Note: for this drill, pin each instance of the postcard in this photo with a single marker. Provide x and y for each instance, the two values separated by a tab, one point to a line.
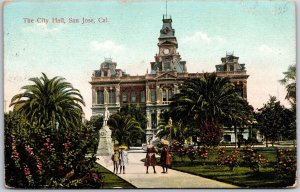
160	94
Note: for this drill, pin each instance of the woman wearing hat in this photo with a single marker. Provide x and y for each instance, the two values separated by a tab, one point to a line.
150	156
165	160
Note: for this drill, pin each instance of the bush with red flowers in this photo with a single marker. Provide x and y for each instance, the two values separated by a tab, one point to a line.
37	157
286	165
252	159
191	153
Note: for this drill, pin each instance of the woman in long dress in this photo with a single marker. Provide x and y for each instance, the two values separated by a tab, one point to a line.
165	158
123	159
150	156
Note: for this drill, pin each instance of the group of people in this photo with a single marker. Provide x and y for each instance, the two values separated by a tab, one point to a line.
165	159
120	159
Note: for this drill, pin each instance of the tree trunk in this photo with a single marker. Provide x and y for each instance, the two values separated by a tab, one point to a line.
266	142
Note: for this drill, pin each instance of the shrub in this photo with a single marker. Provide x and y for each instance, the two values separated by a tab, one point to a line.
231	160
253	160
202	153
286	166
191	153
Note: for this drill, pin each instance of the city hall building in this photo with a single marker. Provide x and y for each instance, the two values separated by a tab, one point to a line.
113	88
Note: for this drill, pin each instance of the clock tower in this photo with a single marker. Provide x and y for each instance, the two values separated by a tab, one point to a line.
167	59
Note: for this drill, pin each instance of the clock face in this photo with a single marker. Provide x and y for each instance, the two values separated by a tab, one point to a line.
166	51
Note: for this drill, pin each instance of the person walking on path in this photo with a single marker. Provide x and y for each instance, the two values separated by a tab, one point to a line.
123	158
150	156
165	160
116	158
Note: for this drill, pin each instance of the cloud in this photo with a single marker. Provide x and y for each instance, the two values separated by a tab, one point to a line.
265	49
202	38
107	46
42	28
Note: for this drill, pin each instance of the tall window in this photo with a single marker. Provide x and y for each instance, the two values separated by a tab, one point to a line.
169	94
124	97
133	97
153	95
142	96
111	96
164	95
100	97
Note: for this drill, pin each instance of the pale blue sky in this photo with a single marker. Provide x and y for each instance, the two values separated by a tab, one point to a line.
261	33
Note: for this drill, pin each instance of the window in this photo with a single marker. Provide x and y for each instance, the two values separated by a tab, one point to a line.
142	96
166	66
133	97
124	97
164	95
231	68
111	96
100	97
153	95
169	94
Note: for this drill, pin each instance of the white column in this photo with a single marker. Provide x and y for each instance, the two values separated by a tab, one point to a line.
148	94
94	96
118	95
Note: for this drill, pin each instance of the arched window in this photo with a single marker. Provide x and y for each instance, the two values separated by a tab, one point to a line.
111	96
142	96
100	97
124	97
133	97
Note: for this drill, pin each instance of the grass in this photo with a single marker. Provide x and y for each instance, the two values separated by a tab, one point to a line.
240	176
111	180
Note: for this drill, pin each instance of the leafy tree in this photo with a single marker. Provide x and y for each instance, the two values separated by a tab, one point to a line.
124	127
176	131
271	120
208	101
36	154
289	81
139	116
50	102
95	123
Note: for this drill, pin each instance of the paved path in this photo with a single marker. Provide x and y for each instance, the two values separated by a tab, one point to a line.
136	175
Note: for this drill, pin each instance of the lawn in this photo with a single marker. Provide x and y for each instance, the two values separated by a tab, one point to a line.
111	180
240	176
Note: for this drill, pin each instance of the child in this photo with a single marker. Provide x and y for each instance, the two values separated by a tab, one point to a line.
115	158
123	158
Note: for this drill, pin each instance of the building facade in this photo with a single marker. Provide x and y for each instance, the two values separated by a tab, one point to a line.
113	88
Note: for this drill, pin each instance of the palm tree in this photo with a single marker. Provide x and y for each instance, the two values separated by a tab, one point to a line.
207	101
289	81
124	127
171	131
50	102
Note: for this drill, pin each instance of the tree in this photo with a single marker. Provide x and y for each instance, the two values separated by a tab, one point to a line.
50	102
124	127
289	81
271	120
208	101
37	155
95	123
176	131
139	116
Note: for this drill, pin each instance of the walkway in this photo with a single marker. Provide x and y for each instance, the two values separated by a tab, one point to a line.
135	174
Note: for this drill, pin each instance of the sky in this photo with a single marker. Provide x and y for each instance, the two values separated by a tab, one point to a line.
261	33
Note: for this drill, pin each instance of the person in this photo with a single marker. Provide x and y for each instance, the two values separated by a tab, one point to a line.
165	158
115	158
150	156
123	158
